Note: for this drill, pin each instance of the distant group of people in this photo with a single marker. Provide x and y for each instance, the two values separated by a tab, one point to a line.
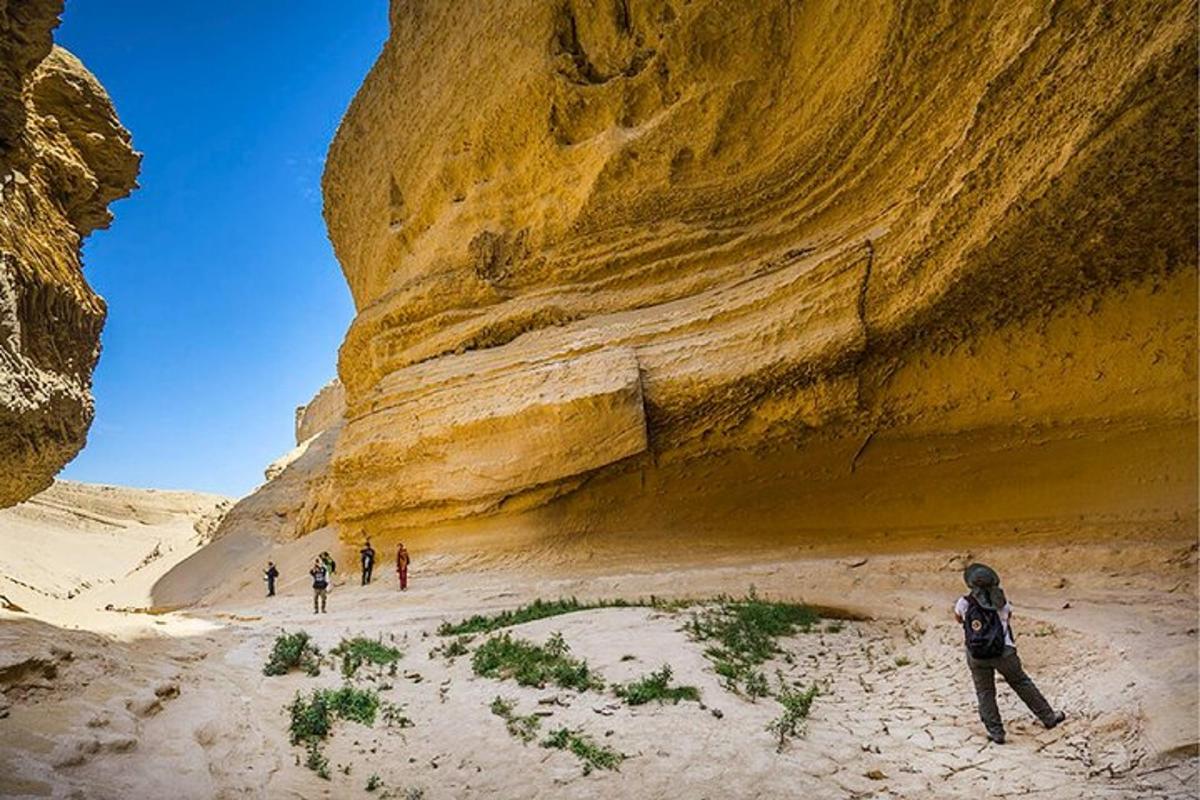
323	568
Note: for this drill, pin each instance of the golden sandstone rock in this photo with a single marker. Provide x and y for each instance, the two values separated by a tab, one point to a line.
952	246
63	158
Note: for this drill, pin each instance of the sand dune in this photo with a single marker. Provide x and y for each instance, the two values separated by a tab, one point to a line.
73	550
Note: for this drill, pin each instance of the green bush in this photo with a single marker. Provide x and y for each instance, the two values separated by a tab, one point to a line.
522	727
592	755
531	664
542	609
453	649
796	705
656	686
359	650
350	703
316	760
538	609
312	718
743	633
393	715
293	651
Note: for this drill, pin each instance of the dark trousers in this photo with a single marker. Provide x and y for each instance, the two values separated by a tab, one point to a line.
1008	664
366	570
270	588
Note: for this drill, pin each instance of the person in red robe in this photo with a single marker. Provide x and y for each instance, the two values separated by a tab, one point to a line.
402	560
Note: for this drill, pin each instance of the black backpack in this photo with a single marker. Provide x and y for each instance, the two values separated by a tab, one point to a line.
984	631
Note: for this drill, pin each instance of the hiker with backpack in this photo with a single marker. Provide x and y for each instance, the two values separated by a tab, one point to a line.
986	615
320	577
329	564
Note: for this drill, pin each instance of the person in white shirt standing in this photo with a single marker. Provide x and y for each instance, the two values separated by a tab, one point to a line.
985	614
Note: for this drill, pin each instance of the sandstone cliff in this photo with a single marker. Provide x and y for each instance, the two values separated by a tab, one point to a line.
64	157
741	255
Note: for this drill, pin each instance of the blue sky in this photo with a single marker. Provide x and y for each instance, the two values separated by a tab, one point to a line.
226	306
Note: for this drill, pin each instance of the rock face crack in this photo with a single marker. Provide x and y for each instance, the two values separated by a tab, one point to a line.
863	292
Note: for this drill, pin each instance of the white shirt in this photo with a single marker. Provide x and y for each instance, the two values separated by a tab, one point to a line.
960	608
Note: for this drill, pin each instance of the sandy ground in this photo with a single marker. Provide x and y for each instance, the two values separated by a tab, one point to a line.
1109	632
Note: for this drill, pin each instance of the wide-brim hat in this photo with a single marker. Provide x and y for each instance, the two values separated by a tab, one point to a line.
984	583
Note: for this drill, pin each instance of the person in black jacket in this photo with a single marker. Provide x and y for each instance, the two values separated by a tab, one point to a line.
367	554
320	582
269	575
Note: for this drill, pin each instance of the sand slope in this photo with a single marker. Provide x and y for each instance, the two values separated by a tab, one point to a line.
76	548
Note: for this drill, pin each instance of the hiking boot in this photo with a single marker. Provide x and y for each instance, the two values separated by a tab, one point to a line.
996	738
1059	716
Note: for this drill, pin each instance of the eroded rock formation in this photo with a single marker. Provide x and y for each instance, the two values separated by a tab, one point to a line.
676	251
64	157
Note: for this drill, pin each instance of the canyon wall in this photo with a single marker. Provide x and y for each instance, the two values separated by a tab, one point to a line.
64	157
714	266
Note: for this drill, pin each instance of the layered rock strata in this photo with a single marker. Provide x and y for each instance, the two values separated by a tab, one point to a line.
64	157
620	245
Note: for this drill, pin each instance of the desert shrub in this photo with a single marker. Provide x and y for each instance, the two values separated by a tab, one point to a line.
393	715
796	705
523	727
656	687
590	754
743	633
532	664
360	650
538	609
458	646
316	760
293	651
542	609
348	702
312	718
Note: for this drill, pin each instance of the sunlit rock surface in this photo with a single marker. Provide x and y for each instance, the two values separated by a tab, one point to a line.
64	157
712	266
